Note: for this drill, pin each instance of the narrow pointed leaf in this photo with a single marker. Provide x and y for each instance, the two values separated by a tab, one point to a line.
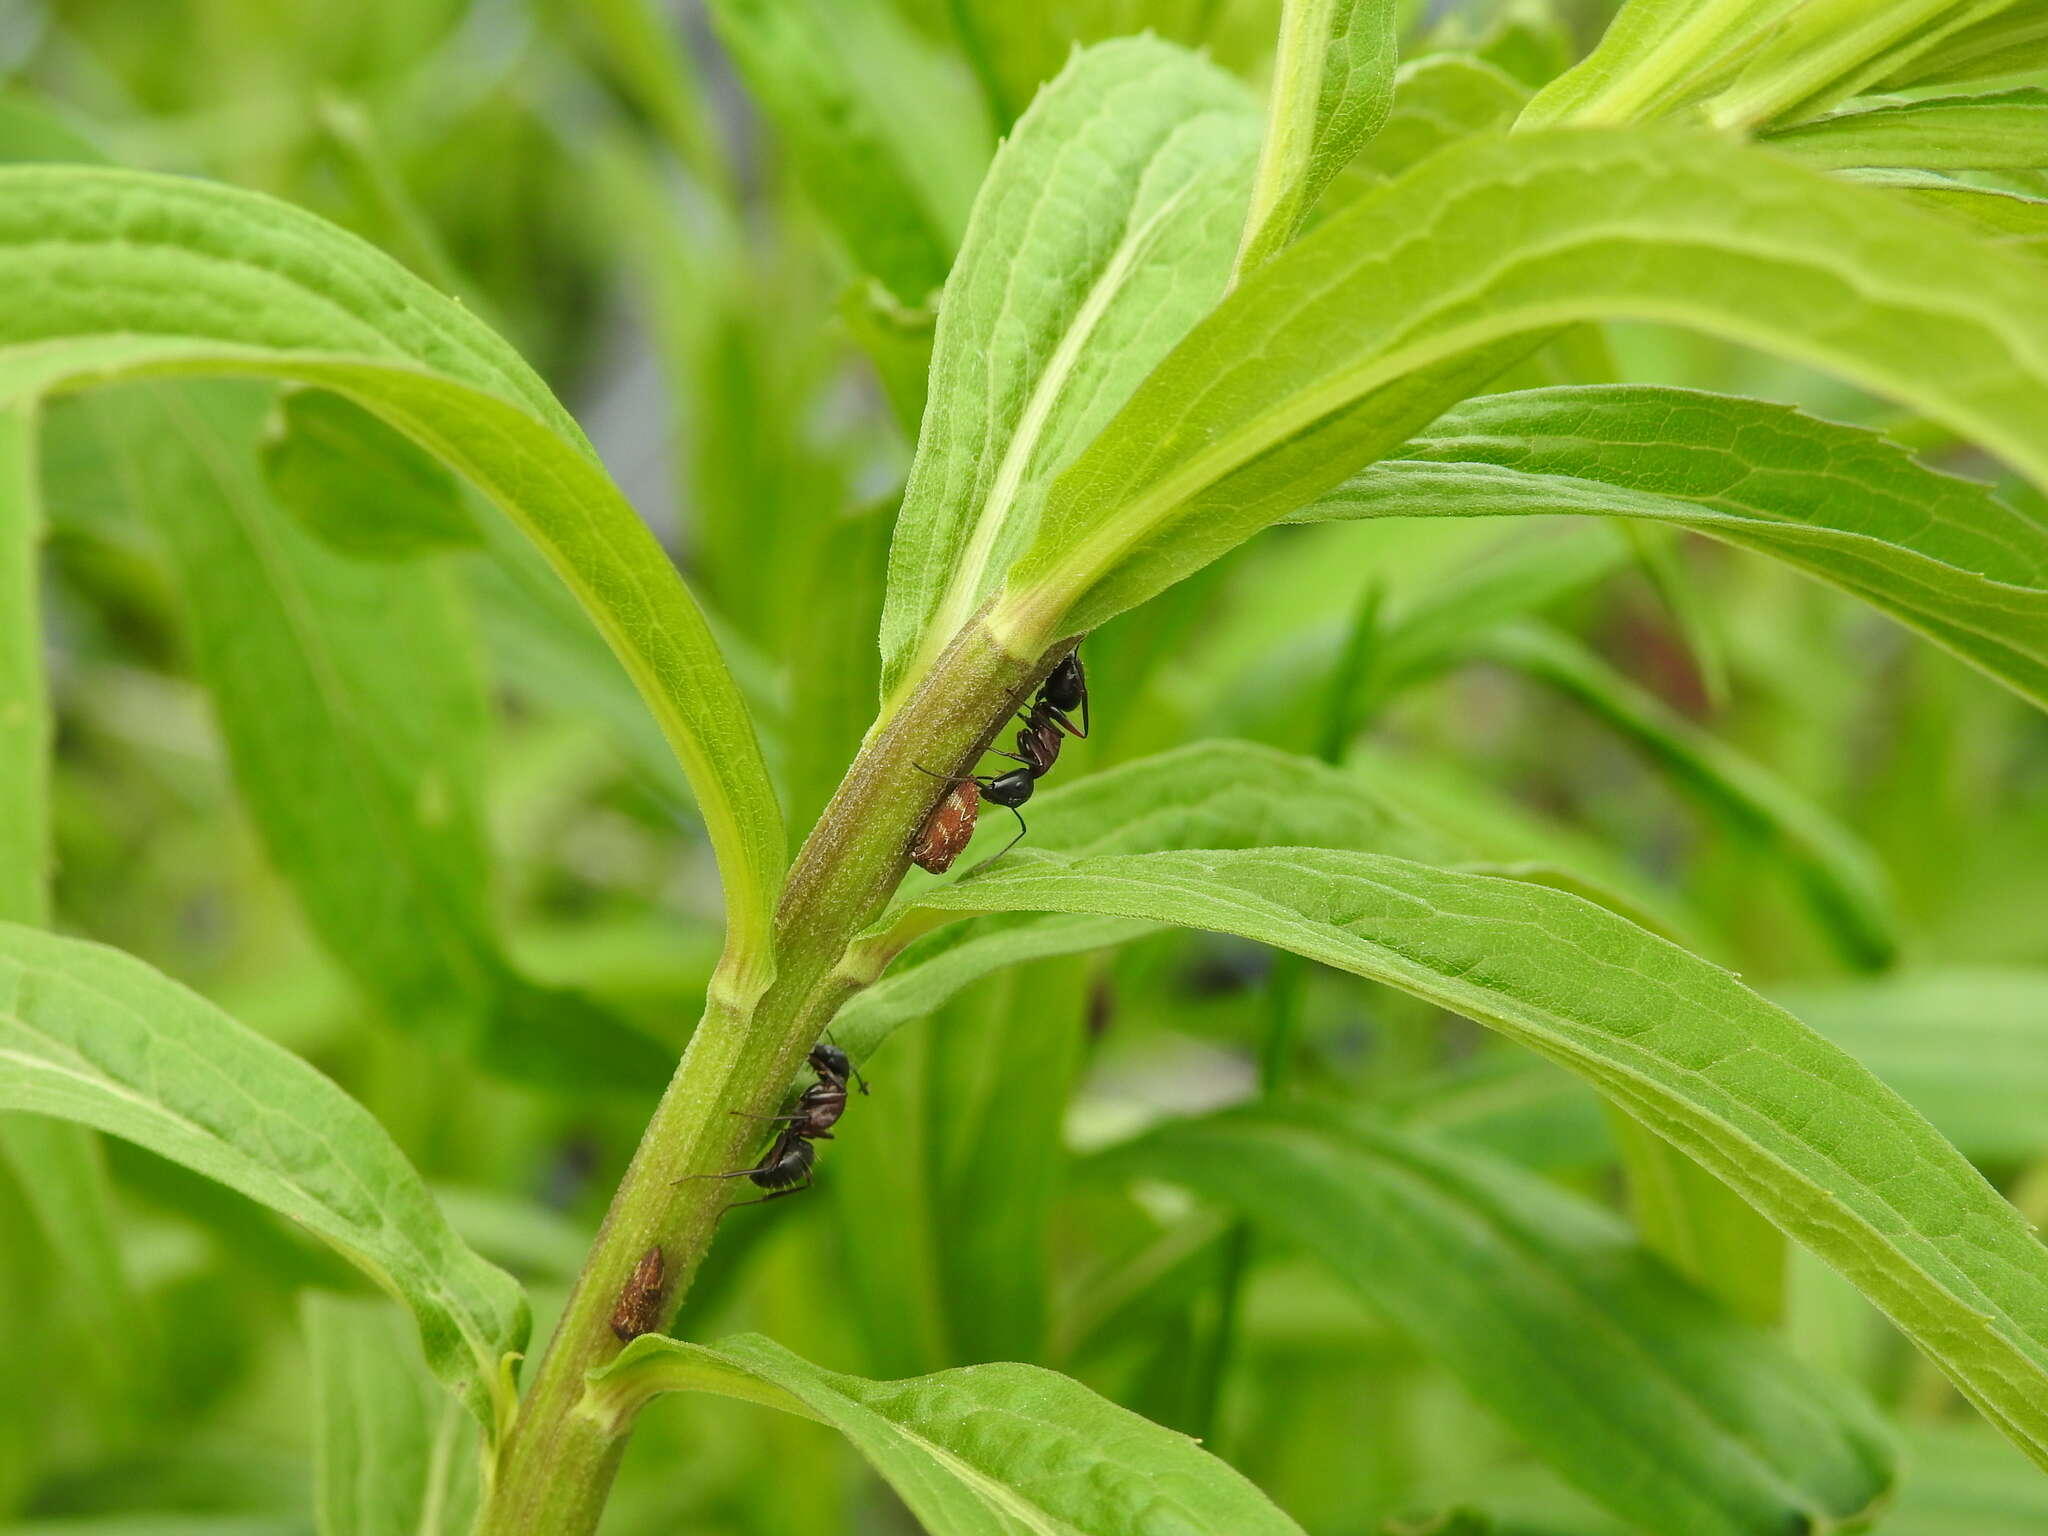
90	1035
1940	553
1104	231
61	1167
357	485
887	138
1454	800
1333	80
392	1456
1552	1315
1397	306
1828	51
1791	1123
2011	41
1847	887
987	1450
2011	219
1211	794
25	731
133	275
1512	580
1654	57
357	722
1439	98
2002	130
1968	1048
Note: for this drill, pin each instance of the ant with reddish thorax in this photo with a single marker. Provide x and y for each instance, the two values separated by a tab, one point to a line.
1048	721
786	1167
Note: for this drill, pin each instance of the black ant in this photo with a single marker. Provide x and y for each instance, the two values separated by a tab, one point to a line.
819	1107
787	1166
1047	723
1064	691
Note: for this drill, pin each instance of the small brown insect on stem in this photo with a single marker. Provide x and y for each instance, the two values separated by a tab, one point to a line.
948	829
639	1308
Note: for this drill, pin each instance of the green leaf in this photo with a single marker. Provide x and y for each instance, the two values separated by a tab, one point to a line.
888	140
1439	99
544	648
1655	57
1849	890
2003	130
1791	1123
31	132
61	1167
391	1455
935	966
1333	81
1967	1048
24	693
63	1172
650	52
1551	1314
1829	50
1017	49
2010	41
137	274
1221	794
1512	580
1700	1227
358	486
988	1450
1104	231
358	726
1448	798
2010	219
1210	794
164	1525
832	685
1395	307
91	1035
1962	1482
1940	553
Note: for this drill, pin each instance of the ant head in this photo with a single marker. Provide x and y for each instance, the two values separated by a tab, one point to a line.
827	1060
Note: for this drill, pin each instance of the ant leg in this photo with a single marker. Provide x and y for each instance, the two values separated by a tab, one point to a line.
1065	721
1021	830
794	1189
736	1173
782	1119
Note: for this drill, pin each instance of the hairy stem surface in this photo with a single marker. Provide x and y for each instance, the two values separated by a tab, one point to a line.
557	1463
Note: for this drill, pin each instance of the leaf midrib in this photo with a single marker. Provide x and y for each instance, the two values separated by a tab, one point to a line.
1147	512
99	1081
1591	1315
1538	1030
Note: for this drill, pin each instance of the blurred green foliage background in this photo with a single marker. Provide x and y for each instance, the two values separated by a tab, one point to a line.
600	182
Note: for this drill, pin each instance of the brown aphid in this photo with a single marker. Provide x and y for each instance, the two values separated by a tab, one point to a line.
639	1308
947	830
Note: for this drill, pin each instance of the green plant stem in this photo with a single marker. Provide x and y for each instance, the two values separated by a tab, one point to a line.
557	1463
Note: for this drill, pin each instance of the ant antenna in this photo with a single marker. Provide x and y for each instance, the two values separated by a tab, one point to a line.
859	1081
